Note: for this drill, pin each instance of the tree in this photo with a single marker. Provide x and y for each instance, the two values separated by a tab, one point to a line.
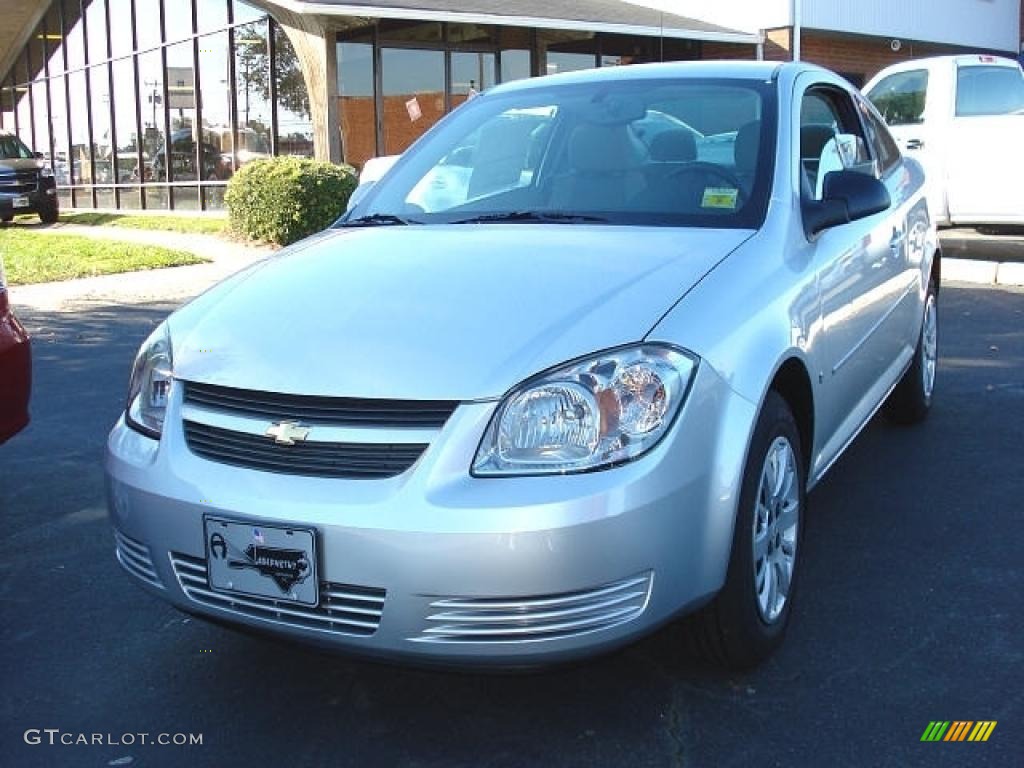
252	67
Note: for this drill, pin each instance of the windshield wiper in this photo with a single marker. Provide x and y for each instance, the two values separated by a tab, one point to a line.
377	220
544	217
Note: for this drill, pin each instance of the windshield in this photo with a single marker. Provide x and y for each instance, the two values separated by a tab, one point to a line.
11	148
655	152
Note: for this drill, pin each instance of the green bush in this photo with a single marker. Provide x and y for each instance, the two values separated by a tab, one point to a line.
284	199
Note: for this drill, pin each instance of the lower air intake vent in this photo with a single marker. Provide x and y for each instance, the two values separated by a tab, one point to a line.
134	557
534	619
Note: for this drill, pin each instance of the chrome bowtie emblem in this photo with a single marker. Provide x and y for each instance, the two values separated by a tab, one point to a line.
287	432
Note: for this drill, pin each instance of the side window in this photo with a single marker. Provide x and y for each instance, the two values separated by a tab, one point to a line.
881	141
989	91
831	139
900	97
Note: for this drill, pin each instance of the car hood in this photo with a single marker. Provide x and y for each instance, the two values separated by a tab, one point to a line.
20	164
438	312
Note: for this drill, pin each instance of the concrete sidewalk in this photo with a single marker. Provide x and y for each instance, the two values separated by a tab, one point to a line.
225	257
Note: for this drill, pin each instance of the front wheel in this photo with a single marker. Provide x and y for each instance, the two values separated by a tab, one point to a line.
747	620
49	213
911	400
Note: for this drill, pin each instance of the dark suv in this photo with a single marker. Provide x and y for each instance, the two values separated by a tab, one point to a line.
27	184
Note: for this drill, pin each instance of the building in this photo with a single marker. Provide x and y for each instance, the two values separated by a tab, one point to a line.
857	39
155	103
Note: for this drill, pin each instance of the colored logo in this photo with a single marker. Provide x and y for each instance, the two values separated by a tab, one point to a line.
958	730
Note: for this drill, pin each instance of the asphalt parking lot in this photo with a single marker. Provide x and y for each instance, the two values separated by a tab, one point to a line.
910	611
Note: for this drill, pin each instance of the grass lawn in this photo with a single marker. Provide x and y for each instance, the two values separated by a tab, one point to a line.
36	257
190	224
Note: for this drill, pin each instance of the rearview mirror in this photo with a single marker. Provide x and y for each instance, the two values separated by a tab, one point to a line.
846	196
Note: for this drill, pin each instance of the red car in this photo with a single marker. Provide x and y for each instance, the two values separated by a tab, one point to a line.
15	368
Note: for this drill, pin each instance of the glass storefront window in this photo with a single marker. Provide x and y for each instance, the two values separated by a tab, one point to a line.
252	93
294	127
211	15
37	52
568	62
81	171
54	38
74	39
355	90
151	101
125	126
245	12
177	20
59	127
216	145
103	149
179	160
515	65
41	119
471	74
96	29
120	26
413	95
147	24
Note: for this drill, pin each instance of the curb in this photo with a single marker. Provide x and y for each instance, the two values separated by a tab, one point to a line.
982	272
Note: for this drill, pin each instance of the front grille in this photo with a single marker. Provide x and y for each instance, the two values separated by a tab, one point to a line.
343	609
533	619
333	411
134	557
336	460
18	182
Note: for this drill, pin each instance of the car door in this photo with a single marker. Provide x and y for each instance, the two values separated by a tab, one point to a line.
986	158
915	105
860	267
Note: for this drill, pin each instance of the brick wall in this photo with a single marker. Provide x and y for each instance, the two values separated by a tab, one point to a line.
857	56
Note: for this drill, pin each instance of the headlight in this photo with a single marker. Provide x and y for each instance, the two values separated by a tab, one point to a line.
150	384
590	414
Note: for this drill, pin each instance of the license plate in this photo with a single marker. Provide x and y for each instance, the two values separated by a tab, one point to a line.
261	561
20	202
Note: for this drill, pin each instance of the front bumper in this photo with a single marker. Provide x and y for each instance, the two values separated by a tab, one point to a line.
38	196
552	567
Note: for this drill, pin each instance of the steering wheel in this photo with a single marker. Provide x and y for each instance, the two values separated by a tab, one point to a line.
710	169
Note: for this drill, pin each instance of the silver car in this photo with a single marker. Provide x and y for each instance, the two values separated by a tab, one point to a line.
584	399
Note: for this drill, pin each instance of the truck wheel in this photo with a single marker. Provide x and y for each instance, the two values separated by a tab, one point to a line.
49	212
910	402
747	620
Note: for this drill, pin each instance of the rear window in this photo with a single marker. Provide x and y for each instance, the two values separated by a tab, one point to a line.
989	91
900	97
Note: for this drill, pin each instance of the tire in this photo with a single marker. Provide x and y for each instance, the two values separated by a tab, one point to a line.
911	400
48	213
747	620
6	218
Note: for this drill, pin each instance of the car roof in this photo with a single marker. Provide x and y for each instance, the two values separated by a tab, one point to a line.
961	60
748	70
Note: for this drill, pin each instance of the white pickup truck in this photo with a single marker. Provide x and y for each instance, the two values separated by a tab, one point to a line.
962	117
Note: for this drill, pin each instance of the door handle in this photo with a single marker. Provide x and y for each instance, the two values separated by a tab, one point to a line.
915	144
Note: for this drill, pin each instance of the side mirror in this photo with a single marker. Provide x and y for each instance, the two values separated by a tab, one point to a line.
846	196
